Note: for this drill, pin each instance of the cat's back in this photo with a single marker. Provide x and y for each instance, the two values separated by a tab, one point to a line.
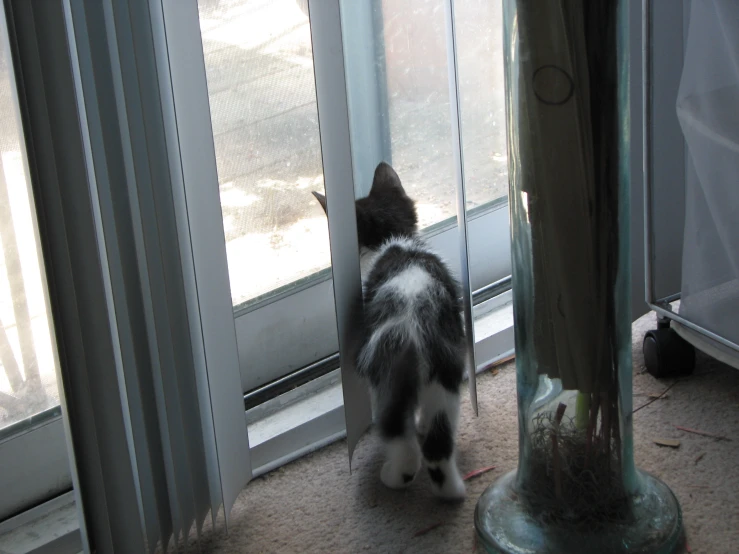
405	273
411	308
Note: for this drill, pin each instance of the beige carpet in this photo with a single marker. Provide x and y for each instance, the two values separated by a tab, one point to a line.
315	505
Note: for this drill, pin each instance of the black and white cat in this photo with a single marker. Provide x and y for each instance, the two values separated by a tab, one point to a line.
412	348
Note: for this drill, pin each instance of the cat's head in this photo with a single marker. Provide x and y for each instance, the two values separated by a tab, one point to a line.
386	212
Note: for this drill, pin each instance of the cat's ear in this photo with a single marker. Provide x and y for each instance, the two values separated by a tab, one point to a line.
322	200
385	180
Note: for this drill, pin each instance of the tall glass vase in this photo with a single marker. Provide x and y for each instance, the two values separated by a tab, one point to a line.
576	488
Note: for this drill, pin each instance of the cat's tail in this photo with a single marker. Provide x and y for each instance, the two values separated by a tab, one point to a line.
387	353
399	387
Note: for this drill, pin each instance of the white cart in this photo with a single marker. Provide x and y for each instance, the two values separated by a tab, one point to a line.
705	313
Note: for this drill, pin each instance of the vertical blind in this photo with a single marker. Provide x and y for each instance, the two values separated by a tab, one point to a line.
123	165
129	215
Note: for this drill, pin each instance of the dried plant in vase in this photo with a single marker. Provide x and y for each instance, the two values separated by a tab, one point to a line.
567	107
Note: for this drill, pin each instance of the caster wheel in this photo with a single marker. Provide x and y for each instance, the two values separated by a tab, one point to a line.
667	354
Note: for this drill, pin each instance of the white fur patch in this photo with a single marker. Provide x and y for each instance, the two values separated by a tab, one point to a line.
368	258
410	282
403	462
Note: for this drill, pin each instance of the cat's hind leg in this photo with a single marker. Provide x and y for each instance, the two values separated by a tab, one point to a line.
437	425
397	401
403	456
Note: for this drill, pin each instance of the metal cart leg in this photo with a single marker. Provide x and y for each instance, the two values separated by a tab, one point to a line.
666	354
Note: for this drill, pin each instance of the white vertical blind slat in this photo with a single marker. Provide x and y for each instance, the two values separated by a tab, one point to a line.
458	151
333	123
201	229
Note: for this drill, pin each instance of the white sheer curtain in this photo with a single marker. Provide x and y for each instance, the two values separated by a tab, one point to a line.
708	111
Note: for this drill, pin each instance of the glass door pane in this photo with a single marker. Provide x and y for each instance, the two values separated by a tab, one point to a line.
410	59
407	41
33	453
479	25
261	87
27	356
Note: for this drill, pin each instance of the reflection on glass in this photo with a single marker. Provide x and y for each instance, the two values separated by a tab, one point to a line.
481	85
261	87
262	98
414	35
27	356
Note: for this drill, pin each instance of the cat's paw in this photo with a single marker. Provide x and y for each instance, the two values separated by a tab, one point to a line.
446	482
402	465
452	489
395	477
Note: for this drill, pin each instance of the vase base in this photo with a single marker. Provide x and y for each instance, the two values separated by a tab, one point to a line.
504	525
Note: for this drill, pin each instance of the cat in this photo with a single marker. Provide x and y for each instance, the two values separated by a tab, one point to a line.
411	348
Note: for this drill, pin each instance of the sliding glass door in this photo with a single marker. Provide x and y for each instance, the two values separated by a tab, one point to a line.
259	65
259	68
